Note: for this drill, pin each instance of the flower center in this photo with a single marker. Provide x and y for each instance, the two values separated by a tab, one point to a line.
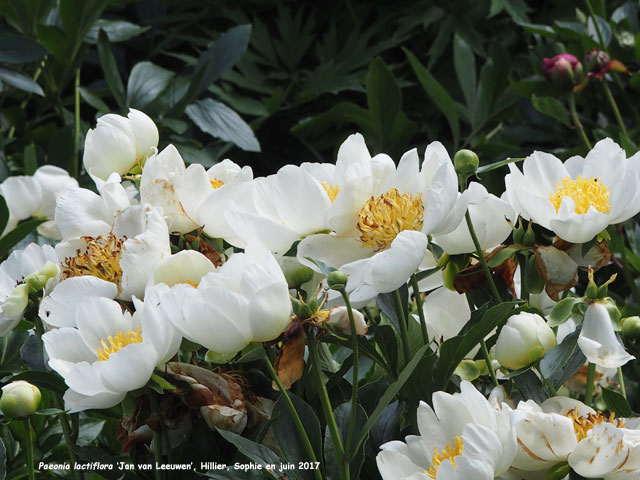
117	343
582	425
216	184
585	194
332	190
101	259
447	453
383	218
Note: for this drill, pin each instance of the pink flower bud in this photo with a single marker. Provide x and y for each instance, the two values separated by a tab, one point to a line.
563	71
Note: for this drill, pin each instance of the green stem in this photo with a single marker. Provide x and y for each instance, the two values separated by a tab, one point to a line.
621	381
294	416
157	437
576	120
68	437
419	306
27	426
355	369
614	107
524	293
76	133
487	357
592	13
483	260
404	335
588	392
325	402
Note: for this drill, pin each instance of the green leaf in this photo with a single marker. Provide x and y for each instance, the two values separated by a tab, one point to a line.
616	403
502	256
31	353
49	411
30	159
465	65
342	415
452	351
517	9
214	62
110	69
48	380
530	386
558	362
18	49
343	112
562	311
387	304
20	81
287	435
146	82
256	452
437	94
552	107
3	460
90	428
4	214
116	30
21	231
220	121
533	281
390	394
77	17
92	99
383	98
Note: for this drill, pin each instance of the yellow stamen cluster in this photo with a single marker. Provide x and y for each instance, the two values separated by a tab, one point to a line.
584	192
332	190
582	424
447	453
189	282
383	218
118	342
216	184
101	259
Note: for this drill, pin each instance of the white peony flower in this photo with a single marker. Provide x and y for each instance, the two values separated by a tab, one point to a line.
463	437
380	215
243	301
598	339
580	198
118	143
111	352
14	272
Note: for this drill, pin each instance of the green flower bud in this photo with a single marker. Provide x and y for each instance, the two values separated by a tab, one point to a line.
631	327
337	280
39	279
518	234
529	238
294	273
19	399
466	162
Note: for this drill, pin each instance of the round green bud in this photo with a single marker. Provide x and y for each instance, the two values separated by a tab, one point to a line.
337	280
466	162
19	399
631	327
297	276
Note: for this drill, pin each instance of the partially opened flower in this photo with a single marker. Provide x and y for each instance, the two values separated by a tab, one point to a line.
490	216
380	215
111	352
15	272
524	339
118	143
580	198
35	196
245	300
462	437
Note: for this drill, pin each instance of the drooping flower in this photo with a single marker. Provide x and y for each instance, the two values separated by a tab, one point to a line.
245	300
599	63
580	198
110	352
598	340
118	143
462	437
380	215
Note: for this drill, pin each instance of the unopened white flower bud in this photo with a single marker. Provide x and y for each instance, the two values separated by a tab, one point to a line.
19	399
339	318
523	340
